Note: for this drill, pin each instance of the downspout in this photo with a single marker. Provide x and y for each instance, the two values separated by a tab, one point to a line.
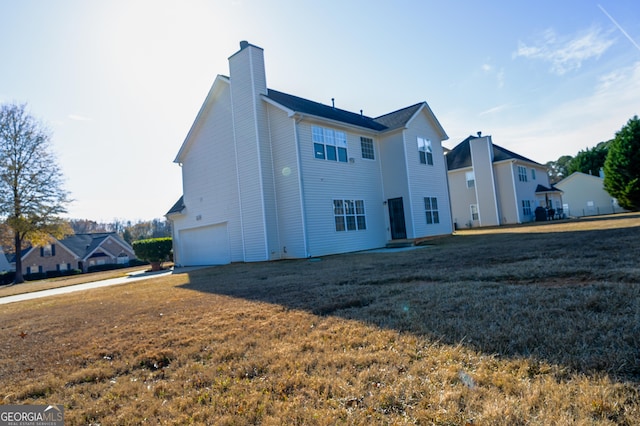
515	192
301	185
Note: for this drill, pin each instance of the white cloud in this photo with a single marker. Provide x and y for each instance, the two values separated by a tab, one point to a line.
486	67
494	110
577	124
77	117
566	53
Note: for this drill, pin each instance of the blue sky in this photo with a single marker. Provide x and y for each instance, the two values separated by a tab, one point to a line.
120	82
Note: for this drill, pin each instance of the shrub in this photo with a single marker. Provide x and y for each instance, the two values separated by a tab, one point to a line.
35	276
105	267
7	277
154	250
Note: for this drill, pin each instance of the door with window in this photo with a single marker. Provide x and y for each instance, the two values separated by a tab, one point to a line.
396	219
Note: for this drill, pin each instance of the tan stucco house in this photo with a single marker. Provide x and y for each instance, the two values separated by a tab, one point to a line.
490	185
584	195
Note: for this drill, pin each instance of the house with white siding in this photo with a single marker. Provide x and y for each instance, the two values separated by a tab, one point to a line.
490	185
267	175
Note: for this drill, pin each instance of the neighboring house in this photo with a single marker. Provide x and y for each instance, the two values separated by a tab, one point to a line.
4	263
584	195
267	175
491	186
79	251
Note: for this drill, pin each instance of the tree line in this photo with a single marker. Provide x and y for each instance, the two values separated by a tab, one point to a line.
129	231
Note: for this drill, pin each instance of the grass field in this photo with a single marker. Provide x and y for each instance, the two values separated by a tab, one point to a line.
534	324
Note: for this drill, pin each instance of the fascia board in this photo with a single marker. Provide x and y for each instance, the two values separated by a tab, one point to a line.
425	107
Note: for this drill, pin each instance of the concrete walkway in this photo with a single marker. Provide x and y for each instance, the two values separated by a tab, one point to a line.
86	286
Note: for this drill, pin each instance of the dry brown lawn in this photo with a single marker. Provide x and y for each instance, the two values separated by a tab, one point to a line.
527	325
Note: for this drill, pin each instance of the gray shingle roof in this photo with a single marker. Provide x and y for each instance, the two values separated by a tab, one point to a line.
460	156
178	206
306	106
399	118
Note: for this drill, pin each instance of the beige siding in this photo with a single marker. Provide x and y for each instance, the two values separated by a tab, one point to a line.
585	196
507	203
461	198
482	160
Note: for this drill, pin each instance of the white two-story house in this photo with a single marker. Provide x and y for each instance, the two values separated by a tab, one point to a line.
267	175
490	185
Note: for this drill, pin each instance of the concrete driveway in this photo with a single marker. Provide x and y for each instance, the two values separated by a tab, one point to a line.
85	286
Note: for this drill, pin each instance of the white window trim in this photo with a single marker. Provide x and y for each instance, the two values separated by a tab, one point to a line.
425	145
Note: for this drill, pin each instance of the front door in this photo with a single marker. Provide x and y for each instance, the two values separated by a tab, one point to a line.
396	219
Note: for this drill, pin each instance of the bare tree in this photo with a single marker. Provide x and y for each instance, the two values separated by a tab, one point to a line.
31	193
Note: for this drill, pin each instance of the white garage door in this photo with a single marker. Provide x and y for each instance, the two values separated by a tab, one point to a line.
208	245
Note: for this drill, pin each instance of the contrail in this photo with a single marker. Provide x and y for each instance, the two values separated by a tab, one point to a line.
620	28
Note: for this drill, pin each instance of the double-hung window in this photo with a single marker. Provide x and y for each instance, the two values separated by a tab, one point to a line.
526	207
533	174
329	144
425	151
431	209
471	179
474	211
522	174
366	144
349	215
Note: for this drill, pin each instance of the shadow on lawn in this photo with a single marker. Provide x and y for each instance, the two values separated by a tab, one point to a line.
567	298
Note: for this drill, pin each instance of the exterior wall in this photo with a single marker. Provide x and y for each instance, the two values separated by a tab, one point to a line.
324	180
287	181
4	263
482	161
114	248
461	198
36	262
209	177
393	163
527	190
425	180
507	203
247	83
584	195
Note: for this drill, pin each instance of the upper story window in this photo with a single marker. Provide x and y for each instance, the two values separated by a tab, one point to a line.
329	144
367	148
522	174
533	174
471	179
48	250
349	215
425	150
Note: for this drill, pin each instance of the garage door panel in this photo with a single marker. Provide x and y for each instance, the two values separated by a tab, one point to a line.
207	245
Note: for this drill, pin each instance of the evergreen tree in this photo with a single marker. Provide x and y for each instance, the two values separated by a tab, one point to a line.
622	167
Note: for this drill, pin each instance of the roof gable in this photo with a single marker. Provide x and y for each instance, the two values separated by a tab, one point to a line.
220	82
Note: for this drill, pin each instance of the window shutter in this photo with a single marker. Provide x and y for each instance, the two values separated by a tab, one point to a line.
53	249
41	251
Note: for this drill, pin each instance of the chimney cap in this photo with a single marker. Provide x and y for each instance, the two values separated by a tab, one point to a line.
243	44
